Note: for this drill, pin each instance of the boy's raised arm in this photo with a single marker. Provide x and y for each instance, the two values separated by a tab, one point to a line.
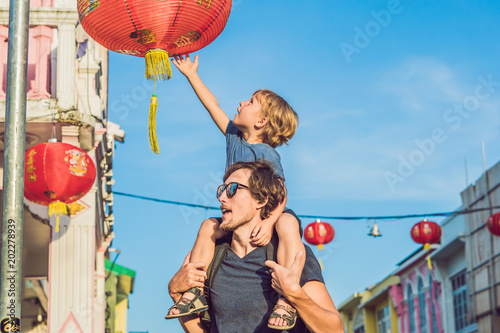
190	70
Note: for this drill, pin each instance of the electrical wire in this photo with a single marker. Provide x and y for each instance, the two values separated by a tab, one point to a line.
383	217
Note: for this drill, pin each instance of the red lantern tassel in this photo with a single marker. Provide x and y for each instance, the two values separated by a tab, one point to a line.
57	208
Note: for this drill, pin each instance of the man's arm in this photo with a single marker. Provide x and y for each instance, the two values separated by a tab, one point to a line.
312	301
188	276
190	70
316	308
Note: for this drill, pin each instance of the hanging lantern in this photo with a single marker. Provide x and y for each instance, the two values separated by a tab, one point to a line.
56	174
154	30
319	233
493	224
426	233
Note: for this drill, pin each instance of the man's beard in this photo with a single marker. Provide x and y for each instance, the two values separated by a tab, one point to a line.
233	225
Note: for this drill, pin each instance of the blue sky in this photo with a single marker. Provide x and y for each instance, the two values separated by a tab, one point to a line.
392	97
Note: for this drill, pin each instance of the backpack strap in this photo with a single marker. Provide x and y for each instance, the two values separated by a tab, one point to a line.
272	254
272	248
219	253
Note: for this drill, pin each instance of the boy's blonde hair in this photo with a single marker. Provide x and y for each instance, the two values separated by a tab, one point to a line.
282	121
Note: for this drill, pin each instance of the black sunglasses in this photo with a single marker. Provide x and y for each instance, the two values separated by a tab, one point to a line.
230	188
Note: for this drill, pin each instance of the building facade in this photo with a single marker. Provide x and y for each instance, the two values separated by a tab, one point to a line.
482	252
461	293
450	267
64	272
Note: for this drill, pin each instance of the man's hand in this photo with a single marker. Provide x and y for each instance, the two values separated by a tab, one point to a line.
189	275
185	66
286	281
262	233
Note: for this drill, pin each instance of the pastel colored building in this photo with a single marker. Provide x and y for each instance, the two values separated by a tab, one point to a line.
119	285
64	273
417	298
372	310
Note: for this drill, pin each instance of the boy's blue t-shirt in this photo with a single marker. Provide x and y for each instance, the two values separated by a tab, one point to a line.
238	150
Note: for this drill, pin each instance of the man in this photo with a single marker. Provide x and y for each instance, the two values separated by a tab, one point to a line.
240	295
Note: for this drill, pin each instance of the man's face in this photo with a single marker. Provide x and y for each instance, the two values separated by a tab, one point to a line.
241	208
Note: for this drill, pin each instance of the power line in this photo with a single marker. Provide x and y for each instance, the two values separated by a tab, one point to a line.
165	201
382	217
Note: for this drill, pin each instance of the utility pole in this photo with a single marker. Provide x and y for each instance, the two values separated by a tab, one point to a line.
13	177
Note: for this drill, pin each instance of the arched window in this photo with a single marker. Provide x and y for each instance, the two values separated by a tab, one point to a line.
411	310
434	299
422	306
359	322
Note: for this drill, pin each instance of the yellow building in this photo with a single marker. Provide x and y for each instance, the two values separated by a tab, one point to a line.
372	310
119	284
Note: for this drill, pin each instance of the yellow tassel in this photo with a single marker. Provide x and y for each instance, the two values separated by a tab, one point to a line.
57	208
157	65
152	125
429	262
320	247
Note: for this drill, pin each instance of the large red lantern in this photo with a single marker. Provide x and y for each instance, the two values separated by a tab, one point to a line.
493	224
426	233
56	174
154	30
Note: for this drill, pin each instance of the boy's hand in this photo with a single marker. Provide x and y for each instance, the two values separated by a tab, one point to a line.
262	233
186	66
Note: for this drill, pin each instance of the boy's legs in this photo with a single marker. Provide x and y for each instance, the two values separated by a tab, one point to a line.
203	249
290	243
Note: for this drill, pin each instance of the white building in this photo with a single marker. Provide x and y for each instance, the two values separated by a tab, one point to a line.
64	272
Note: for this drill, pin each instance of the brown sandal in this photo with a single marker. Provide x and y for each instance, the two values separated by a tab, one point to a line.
189	306
290	319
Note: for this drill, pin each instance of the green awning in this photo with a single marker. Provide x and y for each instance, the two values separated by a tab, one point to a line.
125	277
117	269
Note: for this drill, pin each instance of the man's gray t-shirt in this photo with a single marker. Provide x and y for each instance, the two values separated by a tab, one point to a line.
240	296
238	150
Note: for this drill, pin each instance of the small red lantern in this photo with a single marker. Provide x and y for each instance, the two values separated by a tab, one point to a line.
426	233
56	174
154	30
319	233
493	224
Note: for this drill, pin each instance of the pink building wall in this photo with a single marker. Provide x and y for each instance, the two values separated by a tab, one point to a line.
40	40
398	293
